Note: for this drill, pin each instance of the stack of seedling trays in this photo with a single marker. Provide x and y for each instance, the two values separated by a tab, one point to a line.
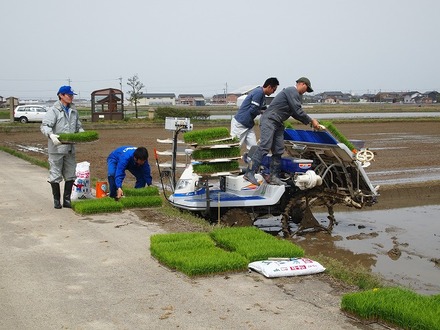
216	152
70	138
168	164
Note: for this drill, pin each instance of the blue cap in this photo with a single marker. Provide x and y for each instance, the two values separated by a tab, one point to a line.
66	90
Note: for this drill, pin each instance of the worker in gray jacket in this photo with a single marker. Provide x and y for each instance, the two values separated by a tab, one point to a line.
287	103
62	117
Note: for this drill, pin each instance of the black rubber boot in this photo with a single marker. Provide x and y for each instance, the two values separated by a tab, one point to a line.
275	169
56	194
67	192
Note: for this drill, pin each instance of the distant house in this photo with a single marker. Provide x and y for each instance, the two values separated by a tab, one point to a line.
367	98
431	97
157	99
191	99
389	97
226	99
335	97
411	97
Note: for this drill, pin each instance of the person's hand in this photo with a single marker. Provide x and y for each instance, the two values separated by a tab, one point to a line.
54	139
119	193
315	124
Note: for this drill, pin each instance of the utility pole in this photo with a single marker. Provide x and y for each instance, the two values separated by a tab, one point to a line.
226	93
120	82
68	81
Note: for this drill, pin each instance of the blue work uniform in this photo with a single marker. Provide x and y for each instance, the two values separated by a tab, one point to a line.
121	160
242	125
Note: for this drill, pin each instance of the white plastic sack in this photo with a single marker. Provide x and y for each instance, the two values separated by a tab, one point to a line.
292	267
81	188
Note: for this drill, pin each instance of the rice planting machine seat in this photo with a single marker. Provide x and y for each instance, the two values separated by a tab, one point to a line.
320	169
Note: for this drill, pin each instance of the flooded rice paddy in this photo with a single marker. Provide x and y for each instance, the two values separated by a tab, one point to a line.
402	245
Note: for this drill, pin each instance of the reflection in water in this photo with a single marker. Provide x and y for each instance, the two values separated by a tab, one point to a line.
323	243
401	245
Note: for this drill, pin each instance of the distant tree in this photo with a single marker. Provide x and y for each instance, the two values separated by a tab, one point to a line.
135	93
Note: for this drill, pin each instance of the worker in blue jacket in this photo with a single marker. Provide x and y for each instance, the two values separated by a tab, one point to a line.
242	125
127	158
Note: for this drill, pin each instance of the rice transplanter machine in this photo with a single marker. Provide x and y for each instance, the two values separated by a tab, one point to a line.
318	170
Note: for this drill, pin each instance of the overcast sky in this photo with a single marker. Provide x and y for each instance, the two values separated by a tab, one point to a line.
202	46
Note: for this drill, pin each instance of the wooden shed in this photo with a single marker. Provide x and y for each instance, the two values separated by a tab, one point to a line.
107	104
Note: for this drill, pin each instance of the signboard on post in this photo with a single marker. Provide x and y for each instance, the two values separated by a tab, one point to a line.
13	102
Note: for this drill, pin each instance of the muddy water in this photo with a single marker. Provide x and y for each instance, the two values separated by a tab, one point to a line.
402	245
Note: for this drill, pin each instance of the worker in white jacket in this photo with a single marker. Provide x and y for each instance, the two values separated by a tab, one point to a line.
62	117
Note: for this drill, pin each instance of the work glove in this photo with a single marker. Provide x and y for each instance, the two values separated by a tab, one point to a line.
54	139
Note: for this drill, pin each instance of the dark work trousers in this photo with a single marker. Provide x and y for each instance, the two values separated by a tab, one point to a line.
271	139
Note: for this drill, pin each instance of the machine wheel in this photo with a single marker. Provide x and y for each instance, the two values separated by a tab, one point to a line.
236	217
299	211
23	120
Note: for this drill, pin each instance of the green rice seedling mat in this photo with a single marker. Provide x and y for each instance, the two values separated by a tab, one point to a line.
206	154
205	136
87	136
146	191
94	206
147	197
209	253
211	168
194	254
396	306
338	135
215	151
255	244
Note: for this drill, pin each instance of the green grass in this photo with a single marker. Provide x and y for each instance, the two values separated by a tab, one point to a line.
396	306
87	136
32	160
353	274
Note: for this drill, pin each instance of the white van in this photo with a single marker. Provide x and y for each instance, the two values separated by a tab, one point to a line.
29	113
